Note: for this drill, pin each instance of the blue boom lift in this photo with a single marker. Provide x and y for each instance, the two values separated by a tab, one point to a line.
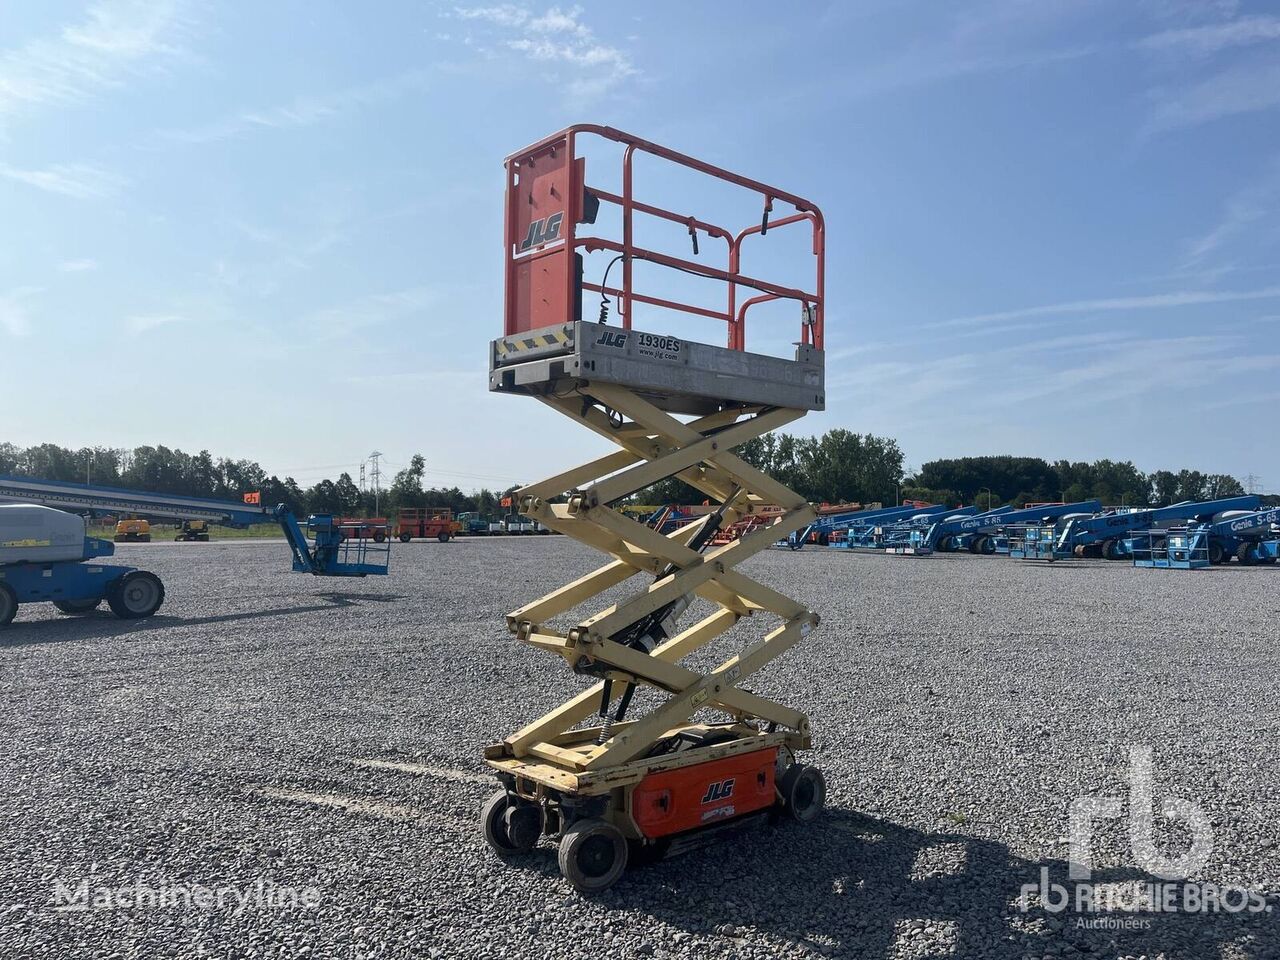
822	528
979	534
1252	537
45	556
1110	535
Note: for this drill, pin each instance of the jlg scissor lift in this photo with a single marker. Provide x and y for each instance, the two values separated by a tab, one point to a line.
711	754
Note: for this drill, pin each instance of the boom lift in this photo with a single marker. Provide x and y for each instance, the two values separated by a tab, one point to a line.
1110	535
978	534
673	776
46	556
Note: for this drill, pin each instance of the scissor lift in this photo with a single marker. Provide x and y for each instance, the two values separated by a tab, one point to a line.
711	754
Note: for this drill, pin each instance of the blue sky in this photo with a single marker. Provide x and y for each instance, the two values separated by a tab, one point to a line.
274	230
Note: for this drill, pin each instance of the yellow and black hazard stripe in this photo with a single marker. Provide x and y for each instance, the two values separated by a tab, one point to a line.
510	345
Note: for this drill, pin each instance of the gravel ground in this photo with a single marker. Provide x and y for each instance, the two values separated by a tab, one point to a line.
270	727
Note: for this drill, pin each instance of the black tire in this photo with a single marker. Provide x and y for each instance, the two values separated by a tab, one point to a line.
804	790
1111	550
496	822
592	855
1217	554
1244	553
945	544
379	536
8	604
136	595
442	537
406	537
76	607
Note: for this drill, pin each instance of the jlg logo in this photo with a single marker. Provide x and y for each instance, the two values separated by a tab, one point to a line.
611	339
719	790
542	231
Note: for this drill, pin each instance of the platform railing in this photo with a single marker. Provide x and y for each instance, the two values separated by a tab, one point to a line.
627	251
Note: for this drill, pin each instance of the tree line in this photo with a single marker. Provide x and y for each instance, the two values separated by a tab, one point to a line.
839	466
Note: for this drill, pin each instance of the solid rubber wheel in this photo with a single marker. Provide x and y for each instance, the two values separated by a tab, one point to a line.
1217	555
406	537
8	604
76	606
379	536
494	822
1244	553
593	854
136	595
804	790
442	537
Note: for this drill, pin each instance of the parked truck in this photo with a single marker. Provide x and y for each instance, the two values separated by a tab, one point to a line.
427	523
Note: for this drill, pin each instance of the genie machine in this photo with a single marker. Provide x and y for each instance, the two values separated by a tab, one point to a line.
46	556
612	783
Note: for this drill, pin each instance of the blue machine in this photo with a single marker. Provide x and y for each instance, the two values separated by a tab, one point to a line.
1110	535
1171	549
981	534
79	585
902	535
1252	538
822	528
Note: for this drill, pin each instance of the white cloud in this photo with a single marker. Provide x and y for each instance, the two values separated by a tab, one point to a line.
78	266
1244	87
352	317
145	323
80	180
14	319
116	37
1151	302
1256	202
559	35
1211	38
304	111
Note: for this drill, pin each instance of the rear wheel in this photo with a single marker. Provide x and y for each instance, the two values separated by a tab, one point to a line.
1244	553
442	537
379	536
510	828
1111	550
8	604
406	537
1217	555
74	607
592	855
804	790
136	595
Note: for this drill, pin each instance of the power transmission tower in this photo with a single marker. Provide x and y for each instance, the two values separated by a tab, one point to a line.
1251	483
362	486
375	476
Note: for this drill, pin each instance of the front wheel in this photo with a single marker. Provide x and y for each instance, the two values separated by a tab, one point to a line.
443	537
8	604
76	607
379	536
136	595
406	537
592	855
804	791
